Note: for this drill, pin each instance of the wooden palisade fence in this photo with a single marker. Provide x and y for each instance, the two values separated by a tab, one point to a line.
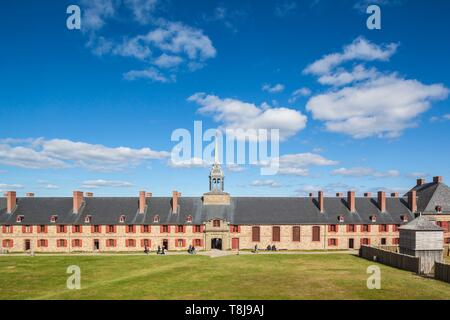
393	259
442	271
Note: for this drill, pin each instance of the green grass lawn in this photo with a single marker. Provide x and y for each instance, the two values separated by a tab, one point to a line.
319	276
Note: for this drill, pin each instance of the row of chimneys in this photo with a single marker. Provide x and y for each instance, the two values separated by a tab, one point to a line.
78	200
351	200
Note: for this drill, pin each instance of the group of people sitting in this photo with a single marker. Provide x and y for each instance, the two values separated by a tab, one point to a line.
269	248
191	250
161	250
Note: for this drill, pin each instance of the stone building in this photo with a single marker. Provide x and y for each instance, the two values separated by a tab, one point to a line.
217	220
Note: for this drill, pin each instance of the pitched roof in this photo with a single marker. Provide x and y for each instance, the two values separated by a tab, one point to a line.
432	195
421	223
242	210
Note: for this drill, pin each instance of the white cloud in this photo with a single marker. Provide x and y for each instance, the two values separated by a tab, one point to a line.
142	9
299	164
235	168
95	184
236	114
190	163
150	73
302	92
383	107
364	172
285	8
167	61
95	13
445	117
265	183
60	153
176	37
343	77
9	187
277	88
359	49
51	187
167	45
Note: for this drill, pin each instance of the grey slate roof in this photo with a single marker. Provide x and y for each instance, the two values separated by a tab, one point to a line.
431	195
242	210
421	223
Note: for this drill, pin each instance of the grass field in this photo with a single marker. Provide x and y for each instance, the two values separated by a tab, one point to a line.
305	276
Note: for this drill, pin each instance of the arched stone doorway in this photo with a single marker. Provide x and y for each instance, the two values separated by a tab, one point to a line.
216	243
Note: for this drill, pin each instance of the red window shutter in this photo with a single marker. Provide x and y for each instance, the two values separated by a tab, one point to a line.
184	242
184	229
161	229
24	229
142	229
4	229
368	228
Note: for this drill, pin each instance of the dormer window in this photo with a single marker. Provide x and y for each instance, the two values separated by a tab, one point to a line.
373	218
438	209
189	219
341	218
404	218
122	219
19	219
88	219
156	219
53	218
216	223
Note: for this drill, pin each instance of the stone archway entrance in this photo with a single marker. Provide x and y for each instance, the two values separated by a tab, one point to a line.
216	243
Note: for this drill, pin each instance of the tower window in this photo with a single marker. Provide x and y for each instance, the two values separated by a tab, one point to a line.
216	223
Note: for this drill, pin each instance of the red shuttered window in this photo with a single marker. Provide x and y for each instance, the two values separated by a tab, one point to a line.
77	243
130	243
61	243
351	228
146	229
197	243
146	243
8	243
332	242
111	229
383	228
333	228
42	243
61	229
164	229
77	229
131	229
42	229
235	228
96	229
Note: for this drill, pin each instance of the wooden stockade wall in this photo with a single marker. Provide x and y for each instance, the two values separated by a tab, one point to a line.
390	258
442	271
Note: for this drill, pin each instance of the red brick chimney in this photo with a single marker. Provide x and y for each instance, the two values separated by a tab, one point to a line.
321	202
421	182
175	196
142	203
11	201
368	194
438	179
412	201
394	195
30	195
382	201
77	200
351	201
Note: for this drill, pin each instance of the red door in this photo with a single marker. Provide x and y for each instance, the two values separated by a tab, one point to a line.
235	243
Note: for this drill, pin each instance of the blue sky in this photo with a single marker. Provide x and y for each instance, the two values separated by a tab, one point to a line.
94	109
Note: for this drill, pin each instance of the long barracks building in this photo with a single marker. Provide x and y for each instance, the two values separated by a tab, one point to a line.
84	223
